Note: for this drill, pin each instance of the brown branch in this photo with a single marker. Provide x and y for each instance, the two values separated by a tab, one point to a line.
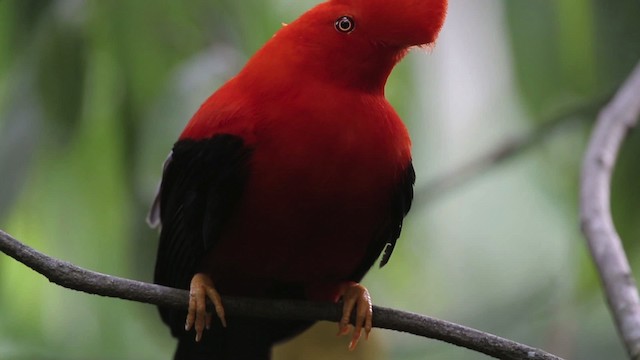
508	149
70	276
612	126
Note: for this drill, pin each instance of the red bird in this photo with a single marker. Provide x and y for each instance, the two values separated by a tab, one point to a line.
292	178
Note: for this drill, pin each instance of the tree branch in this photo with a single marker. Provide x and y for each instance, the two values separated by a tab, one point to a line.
508	149
73	277
612	126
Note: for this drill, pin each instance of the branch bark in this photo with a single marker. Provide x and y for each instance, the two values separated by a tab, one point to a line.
612	126
73	277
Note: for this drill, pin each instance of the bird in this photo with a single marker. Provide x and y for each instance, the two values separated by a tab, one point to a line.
292	178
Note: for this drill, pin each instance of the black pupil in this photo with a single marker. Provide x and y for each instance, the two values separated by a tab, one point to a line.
344	24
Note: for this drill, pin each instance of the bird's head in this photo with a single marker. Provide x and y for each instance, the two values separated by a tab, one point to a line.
394	23
355	42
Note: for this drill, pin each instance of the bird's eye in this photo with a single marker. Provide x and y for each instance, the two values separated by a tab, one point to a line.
345	24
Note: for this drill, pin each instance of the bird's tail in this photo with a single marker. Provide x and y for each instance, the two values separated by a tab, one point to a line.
249	339
210	348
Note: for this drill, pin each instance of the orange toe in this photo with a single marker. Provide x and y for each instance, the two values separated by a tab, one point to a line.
355	296
197	316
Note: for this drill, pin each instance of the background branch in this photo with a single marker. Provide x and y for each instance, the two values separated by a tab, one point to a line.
612	126
508	149
73	277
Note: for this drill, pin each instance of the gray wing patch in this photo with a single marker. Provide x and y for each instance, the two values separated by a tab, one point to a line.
153	217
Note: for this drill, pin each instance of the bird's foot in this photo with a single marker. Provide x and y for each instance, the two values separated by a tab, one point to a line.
355	296
198	317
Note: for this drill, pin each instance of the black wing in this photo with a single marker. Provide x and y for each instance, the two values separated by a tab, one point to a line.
391	228
202	183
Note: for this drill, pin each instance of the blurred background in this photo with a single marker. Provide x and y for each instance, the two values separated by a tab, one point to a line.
94	93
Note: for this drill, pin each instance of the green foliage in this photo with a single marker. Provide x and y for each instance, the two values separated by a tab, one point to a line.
93	93
587	49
